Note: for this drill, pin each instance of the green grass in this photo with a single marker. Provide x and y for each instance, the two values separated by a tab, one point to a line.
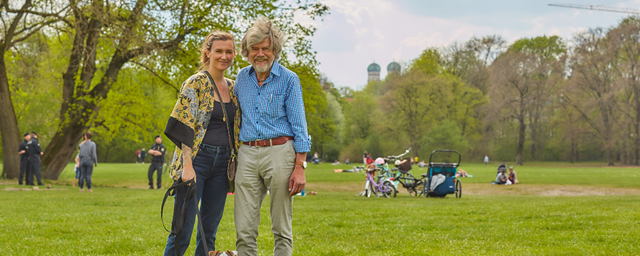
597	174
122	217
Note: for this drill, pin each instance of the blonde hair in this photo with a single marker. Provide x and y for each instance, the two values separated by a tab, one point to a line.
262	29
206	45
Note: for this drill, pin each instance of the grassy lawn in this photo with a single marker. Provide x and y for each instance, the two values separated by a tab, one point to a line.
122	217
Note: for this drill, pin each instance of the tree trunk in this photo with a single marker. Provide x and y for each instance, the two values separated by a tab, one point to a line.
8	127
534	134
61	149
521	138
636	126
608	134
572	157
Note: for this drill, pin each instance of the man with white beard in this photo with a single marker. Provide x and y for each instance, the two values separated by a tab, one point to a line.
275	140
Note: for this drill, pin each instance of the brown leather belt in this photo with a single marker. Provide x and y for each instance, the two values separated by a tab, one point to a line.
270	142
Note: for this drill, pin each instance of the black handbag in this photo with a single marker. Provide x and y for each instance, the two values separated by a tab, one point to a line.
233	159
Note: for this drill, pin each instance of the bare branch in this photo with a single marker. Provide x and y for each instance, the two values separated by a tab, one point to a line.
157	75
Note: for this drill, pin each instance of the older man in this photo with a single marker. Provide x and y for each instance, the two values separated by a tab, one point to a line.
275	140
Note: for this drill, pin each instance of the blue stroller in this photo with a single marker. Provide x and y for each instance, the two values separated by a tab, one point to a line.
441	177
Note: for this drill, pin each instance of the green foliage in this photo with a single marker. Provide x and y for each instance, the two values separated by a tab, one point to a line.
428	62
446	135
360	115
34	70
547	47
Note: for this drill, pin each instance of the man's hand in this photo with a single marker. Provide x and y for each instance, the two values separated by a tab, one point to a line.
41	153
297	180
22	152
188	173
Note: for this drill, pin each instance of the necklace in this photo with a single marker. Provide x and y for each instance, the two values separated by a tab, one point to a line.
261	80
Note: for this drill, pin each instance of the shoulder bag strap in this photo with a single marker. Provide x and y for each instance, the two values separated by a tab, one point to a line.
224	110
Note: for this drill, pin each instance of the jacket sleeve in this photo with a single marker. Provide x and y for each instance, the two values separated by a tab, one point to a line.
94	155
37	148
181	125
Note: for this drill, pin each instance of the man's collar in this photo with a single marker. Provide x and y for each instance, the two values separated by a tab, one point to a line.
275	68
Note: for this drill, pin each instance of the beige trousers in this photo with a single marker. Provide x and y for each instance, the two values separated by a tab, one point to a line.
262	169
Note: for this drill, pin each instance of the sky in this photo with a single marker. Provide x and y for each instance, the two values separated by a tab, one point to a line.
359	32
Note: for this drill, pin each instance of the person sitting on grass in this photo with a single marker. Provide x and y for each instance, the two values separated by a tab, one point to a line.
336	162
462	173
501	178
512	176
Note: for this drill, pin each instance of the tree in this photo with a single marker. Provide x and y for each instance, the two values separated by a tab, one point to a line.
511	91
486	48
108	35
627	35
592	86
549	56
18	24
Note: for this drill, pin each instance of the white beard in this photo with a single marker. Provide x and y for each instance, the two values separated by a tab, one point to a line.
262	68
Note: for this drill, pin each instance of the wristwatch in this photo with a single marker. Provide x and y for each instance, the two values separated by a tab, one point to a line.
304	164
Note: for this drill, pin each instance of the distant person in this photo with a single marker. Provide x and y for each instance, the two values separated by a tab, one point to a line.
336	162
462	173
501	178
157	160
513	176
34	152
76	170
24	159
415	160
486	160
88	159
347	161
365	156
421	164
138	156
143	155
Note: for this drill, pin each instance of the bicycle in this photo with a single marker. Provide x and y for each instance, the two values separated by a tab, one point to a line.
383	187
403	175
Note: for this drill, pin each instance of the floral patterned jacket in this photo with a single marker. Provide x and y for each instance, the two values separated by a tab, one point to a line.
190	117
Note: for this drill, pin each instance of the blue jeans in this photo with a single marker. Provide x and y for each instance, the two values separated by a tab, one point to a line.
86	170
212	184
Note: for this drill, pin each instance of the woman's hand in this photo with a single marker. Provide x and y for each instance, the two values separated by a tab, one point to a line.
187	166
188	173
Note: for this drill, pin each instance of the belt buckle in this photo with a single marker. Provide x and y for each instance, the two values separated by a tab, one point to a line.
256	142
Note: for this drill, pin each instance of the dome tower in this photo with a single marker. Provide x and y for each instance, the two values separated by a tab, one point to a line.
393	68
374	72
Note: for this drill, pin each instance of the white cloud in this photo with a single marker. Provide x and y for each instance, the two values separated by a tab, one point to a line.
358	32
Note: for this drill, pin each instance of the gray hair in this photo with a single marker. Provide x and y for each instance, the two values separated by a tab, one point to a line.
262	29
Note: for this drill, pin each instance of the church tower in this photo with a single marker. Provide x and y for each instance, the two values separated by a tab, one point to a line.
374	72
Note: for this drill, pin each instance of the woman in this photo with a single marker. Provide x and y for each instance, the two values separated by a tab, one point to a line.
88	159
198	128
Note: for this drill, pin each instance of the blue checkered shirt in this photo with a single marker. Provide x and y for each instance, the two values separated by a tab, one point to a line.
274	109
